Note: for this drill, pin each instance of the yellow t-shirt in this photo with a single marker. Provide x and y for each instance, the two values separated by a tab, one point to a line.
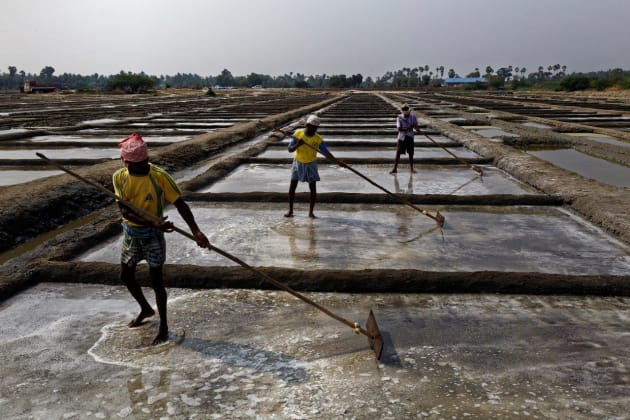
148	192
305	154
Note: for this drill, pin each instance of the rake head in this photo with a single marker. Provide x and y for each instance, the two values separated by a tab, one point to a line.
477	169
374	338
439	219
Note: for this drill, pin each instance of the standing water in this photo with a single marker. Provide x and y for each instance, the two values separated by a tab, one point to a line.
588	166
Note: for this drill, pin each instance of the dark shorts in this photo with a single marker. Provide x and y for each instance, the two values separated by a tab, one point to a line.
142	243
405	146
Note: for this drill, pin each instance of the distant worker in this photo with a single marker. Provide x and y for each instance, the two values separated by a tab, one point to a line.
304	143
148	187
406	123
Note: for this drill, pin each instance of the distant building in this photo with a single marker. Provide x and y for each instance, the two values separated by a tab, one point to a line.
460	81
31	86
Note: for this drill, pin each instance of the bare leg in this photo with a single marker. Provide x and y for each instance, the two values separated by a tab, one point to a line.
393	171
398	150
292	188
128	278
160	298
312	186
411	164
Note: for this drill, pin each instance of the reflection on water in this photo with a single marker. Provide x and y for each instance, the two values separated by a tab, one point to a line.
536	125
430	179
493	132
477	177
304	235
13	177
600	138
65	153
504	238
587	166
408	190
147	399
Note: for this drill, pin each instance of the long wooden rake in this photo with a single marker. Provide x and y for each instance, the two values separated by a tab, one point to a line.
470	165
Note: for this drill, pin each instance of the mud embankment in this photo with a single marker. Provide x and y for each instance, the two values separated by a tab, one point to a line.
345	281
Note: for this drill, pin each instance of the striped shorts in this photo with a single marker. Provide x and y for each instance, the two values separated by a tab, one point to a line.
304	172
143	243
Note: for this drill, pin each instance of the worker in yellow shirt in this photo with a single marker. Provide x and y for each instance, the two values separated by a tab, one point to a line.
148	187
304	168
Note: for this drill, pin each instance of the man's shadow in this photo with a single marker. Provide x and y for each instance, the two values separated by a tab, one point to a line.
245	356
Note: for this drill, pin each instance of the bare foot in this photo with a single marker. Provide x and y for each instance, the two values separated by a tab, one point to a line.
412	171
289	214
138	321
312	216
393	171
162	337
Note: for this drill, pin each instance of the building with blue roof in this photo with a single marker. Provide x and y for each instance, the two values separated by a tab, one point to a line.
456	81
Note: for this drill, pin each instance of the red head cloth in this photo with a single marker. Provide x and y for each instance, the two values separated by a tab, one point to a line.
133	149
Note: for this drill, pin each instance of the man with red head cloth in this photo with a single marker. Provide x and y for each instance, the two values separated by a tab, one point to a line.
148	187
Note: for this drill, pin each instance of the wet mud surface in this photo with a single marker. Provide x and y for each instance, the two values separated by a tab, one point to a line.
428	179
61	199
529	239
547	240
242	354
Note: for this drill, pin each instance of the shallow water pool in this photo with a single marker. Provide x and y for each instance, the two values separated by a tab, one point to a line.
587	166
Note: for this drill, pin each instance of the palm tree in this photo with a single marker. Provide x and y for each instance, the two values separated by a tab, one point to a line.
556	69
413	77
442	72
523	71
474	73
489	70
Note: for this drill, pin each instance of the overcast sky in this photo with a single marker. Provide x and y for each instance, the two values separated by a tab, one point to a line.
311	36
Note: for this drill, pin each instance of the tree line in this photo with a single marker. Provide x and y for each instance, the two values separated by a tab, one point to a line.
513	77
141	82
